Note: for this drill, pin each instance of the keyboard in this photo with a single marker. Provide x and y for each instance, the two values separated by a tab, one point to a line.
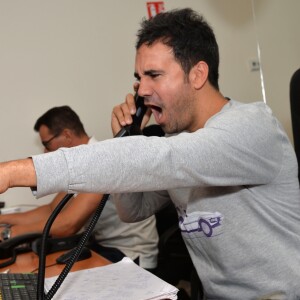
18	286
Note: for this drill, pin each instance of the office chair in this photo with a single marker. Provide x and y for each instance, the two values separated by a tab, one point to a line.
295	112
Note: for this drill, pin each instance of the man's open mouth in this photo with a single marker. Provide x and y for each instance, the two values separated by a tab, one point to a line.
157	112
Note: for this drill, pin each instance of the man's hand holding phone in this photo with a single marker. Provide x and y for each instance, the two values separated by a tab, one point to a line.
122	114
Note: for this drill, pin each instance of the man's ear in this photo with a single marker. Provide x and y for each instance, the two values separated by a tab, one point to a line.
199	74
68	135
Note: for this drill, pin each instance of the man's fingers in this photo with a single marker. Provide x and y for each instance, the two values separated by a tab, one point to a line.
122	114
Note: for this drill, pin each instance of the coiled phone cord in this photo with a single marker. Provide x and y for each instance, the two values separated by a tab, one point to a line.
86	235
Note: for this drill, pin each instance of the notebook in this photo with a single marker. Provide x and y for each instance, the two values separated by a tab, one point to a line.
123	280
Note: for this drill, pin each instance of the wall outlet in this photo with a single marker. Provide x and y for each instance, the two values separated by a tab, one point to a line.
254	65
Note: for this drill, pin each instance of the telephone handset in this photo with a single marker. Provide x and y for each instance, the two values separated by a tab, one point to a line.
20	243
135	127
31	242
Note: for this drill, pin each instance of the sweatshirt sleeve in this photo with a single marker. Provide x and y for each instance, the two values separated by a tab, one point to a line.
134	207
233	148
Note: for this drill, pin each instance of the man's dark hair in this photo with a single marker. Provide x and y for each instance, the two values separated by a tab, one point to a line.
59	118
188	34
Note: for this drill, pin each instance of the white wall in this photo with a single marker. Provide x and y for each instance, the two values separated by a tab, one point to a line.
278	34
81	53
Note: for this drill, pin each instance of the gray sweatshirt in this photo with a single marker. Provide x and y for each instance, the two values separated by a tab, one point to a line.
234	184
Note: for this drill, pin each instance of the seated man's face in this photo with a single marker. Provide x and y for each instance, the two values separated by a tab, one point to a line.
52	141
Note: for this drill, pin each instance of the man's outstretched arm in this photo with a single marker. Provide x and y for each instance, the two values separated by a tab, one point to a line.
17	173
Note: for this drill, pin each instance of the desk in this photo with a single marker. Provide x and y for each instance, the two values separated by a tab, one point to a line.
29	262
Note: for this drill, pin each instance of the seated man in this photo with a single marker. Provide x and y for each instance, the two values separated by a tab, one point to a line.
112	238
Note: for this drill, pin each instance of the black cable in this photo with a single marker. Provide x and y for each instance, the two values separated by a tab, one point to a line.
43	250
78	249
10	261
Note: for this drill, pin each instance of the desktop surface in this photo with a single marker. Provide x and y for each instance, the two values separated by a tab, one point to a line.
21	280
29	262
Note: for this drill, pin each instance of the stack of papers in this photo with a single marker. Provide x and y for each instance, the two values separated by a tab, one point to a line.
119	281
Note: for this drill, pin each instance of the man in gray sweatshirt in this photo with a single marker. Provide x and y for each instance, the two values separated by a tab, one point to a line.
228	167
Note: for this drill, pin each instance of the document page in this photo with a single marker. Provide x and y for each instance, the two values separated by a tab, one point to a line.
123	280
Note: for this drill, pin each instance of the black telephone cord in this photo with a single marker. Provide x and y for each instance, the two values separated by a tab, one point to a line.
86	235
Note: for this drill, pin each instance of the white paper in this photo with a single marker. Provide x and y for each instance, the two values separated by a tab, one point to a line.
119	281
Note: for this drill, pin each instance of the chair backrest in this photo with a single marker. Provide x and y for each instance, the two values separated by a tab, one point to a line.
295	112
